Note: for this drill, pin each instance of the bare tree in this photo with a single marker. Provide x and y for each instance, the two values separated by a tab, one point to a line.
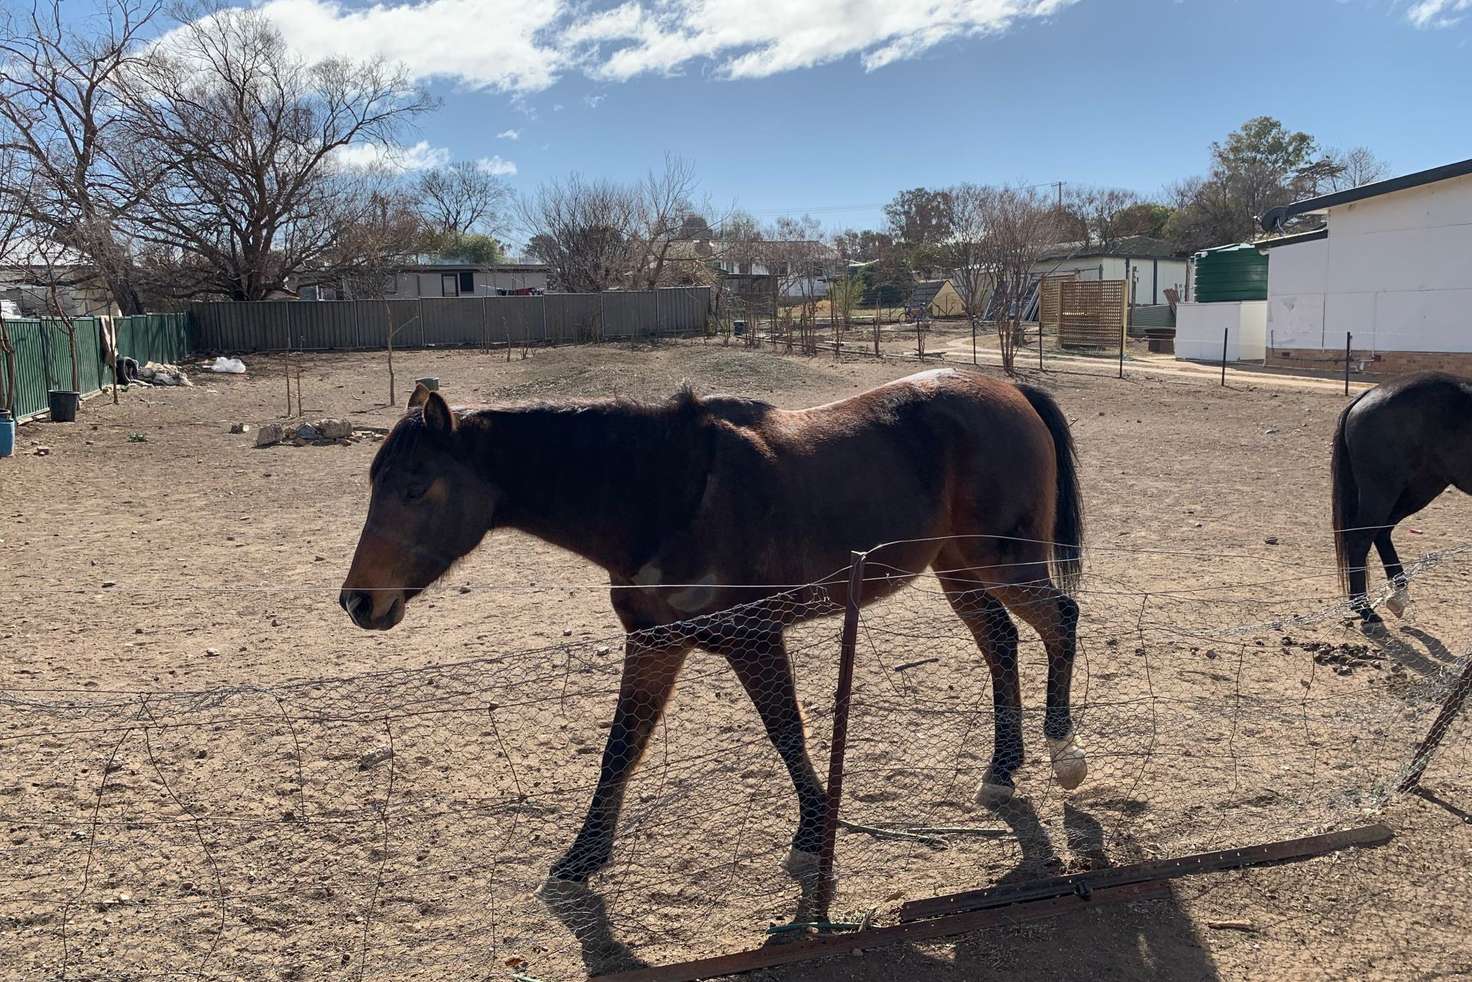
662	209
60	100
1354	168
583	230
999	235
797	258
1101	213
463	199
253	195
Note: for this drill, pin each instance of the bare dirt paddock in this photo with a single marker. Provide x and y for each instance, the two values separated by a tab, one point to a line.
206	771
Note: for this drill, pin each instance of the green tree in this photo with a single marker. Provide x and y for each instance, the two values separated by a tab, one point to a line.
1258	166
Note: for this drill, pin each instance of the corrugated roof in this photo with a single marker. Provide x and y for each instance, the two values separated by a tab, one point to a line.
1129	247
924	292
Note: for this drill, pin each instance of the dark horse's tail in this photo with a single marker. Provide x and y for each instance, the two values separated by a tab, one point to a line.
1346	495
1068	517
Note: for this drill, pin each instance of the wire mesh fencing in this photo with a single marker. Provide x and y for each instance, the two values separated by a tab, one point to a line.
403	824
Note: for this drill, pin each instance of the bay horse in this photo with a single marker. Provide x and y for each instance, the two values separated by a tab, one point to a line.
697	505
1396	448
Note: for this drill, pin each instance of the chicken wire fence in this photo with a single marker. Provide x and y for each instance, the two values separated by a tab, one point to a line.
402	824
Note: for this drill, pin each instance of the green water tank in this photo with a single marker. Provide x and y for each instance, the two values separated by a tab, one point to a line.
1231	272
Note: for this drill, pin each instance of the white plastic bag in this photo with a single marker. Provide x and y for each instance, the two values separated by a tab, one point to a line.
228	366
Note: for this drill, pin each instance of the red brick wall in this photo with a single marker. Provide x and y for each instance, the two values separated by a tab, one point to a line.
1383	363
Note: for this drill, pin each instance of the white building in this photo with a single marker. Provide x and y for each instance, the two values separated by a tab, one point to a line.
1148	264
1392	270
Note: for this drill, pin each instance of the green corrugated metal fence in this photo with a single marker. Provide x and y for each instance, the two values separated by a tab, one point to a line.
43	361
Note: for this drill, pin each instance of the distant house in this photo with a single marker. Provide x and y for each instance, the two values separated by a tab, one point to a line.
1389	275
430	277
1151	266
79	290
755	279
938	298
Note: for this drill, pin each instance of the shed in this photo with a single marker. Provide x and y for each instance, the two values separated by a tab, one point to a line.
938	298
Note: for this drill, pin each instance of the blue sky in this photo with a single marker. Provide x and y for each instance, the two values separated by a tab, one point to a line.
831	106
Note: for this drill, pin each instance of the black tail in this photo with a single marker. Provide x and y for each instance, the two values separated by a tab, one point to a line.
1346	496
1068	516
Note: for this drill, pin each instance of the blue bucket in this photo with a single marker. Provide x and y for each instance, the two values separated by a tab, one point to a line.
7	434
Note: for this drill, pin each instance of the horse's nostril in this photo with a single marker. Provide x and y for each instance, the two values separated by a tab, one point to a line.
351	601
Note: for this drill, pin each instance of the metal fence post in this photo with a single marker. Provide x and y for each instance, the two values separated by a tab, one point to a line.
1347	338
1421	759
841	701
1225	332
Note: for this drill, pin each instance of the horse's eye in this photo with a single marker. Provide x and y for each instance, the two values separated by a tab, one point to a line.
415	490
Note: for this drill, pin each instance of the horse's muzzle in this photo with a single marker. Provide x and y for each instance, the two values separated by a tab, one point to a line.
360	605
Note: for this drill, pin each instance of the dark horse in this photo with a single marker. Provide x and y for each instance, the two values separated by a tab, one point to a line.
1396	448
696	505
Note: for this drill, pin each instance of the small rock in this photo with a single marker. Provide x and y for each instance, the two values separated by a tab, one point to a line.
465	589
275	622
602	650
239	427
42	451
567	632
371	760
211	653
108	584
1271	540
334	429
269	434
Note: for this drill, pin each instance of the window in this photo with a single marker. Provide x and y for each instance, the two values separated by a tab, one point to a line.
467	283
449	285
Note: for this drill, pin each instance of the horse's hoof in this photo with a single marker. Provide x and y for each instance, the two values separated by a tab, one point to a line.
1398	601
803	865
1070	765
993	795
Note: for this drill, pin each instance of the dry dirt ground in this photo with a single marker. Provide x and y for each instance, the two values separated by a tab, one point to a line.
205	770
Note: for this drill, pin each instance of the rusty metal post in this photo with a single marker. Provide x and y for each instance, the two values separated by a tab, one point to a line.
1421	759
841	700
1348	337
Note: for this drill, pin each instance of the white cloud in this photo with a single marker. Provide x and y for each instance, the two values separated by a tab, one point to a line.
758	38
1438	13
524	46
494	164
592	101
366	156
512	135
506	45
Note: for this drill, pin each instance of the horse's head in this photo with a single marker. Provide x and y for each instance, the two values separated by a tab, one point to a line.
427	510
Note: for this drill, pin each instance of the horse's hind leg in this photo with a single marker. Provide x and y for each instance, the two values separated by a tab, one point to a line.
1400	598
765	672
648	679
996	636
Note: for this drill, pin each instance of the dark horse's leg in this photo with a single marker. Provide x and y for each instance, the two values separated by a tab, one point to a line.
1394	572
996	636
762	666
648	679
1014	572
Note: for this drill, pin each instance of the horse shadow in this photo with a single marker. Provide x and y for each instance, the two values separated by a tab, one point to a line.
1435	658
1152	938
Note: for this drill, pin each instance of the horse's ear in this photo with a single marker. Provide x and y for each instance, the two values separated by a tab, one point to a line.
437	415
418	396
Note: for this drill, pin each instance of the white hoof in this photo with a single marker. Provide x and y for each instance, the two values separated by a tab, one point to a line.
994	795
1070	766
1398	601
802	865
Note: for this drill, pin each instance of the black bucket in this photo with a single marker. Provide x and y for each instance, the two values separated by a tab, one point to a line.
63	405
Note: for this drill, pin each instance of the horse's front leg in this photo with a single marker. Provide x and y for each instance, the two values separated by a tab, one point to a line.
648	679
766	674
